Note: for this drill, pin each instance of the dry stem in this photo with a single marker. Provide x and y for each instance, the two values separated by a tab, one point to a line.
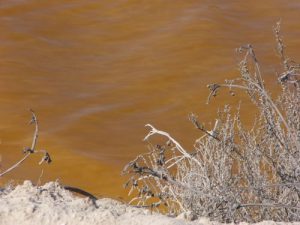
29	151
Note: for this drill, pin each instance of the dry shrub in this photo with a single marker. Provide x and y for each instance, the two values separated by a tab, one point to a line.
234	174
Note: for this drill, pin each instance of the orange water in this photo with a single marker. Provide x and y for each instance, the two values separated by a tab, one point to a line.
97	71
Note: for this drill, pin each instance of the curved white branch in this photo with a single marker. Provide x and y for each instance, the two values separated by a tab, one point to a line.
177	145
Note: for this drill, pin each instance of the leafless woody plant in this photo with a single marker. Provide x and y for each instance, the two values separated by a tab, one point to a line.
31	150
28	151
233	174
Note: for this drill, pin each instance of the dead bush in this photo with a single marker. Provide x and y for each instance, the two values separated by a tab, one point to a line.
234	174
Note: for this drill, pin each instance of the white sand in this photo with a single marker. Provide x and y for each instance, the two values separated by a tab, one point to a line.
51	204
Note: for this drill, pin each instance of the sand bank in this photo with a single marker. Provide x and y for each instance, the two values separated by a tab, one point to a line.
52	204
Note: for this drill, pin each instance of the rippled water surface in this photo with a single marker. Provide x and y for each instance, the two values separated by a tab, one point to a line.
97	71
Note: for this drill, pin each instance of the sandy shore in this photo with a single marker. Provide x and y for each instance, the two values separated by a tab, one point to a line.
51	204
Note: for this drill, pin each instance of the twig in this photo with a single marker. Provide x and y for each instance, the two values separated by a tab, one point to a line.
212	133
296	184
29	151
40	178
268	205
16	165
36	132
178	146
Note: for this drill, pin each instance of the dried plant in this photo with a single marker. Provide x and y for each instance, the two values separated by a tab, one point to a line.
28	151
233	174
31	150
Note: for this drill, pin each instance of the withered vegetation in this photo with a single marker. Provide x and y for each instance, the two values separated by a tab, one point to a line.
234	173
28	151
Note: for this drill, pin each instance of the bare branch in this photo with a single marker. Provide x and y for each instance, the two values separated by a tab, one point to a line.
28	151
16	164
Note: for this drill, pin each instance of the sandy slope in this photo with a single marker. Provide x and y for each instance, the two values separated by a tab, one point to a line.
51	204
